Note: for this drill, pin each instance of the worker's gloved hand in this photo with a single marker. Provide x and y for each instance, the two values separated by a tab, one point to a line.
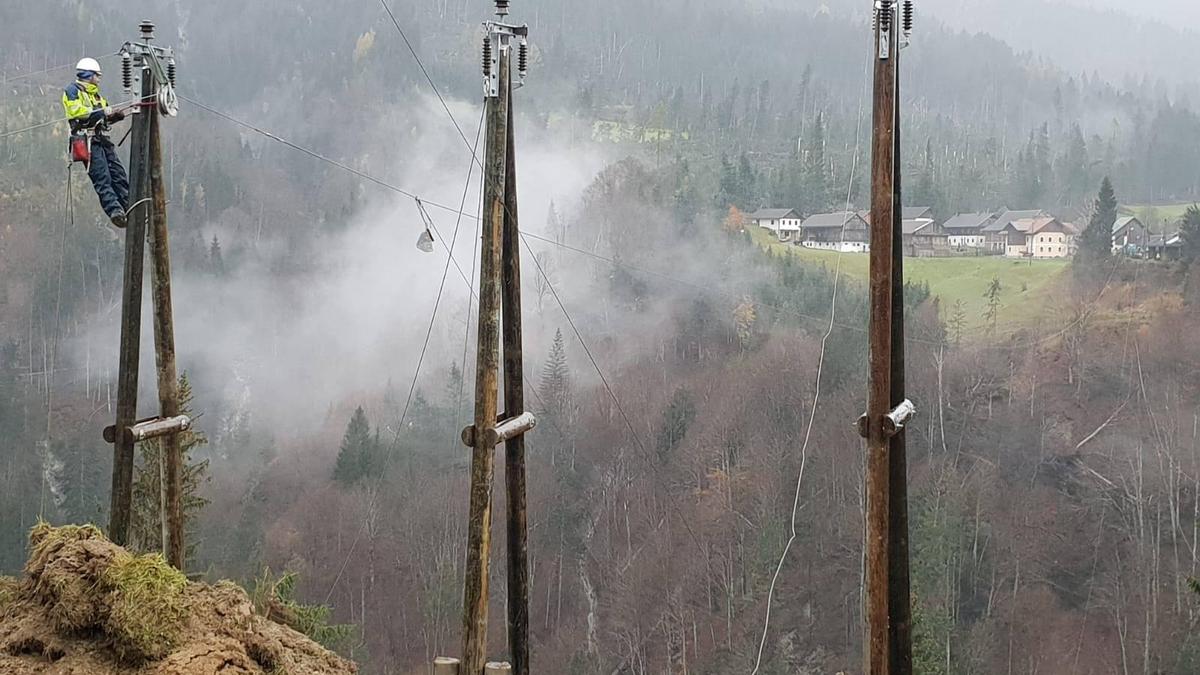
116	116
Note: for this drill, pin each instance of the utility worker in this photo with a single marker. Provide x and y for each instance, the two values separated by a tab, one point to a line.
90	115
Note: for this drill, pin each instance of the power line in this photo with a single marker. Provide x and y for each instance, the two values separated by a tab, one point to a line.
59	120
524	233
816	384
578	335
420	362
5	78
550	285
424	72
587	350
345	167
31	128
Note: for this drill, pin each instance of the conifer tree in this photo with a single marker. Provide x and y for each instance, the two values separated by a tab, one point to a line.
356	458
455	384
1096	241
555	386
677	418
146	517
1189	232
992	314
1073	167
215	261
816	173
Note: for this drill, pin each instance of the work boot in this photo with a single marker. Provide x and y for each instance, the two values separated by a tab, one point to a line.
119	219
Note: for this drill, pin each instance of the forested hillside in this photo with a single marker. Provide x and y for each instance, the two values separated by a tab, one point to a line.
696	406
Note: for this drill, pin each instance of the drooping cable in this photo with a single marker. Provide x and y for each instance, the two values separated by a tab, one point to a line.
420	361
794	533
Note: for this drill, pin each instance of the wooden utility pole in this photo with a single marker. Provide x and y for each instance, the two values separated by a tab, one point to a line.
148	218
499	293
886	647
479	529
131	317
514	404
164	347
899	587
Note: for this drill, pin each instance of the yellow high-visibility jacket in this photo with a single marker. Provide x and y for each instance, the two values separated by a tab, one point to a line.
84	105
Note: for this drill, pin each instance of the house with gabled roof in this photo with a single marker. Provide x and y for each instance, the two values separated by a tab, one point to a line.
965	230
908	213
998	233
785	223
1129	236
1049	238
924	238
844	231
1164	246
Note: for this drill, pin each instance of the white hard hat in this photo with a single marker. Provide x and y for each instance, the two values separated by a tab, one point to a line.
88	64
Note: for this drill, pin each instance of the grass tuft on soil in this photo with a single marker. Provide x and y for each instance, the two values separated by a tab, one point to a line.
147	608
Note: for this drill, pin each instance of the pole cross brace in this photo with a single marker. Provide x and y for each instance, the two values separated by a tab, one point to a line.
893	422
150	427
504	430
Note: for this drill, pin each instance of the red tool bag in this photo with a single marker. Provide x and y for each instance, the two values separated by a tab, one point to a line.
80	149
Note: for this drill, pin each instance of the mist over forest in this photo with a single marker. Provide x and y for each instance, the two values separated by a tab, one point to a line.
696	481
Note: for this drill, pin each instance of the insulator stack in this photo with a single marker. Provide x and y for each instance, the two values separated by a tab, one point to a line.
171	72
501	7
127	71
908	17
885	15
523	58
487	55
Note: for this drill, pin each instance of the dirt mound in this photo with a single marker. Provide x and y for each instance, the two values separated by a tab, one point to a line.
88	606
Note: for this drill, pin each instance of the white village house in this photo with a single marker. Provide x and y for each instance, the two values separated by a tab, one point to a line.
1044	237
844	231
785	223
966	230
998	234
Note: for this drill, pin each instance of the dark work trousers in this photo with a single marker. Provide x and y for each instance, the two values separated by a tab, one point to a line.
108	176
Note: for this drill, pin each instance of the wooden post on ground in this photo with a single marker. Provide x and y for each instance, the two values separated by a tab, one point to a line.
899	600
876	644
131	318
497	668
444	665
475	587
164	346
514	406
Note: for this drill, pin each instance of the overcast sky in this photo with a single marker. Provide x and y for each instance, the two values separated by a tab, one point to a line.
1174	12
1179	13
